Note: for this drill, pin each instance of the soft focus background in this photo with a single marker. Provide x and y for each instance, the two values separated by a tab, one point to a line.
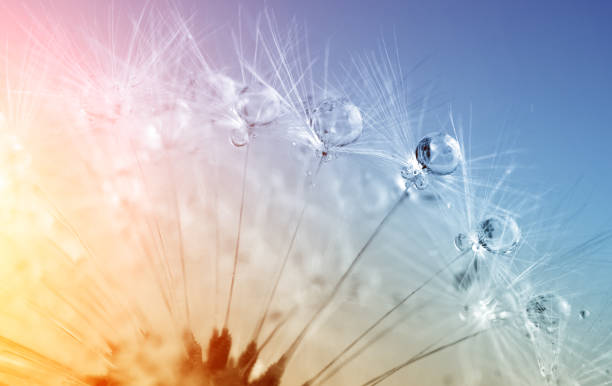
536	74
533	75
522	77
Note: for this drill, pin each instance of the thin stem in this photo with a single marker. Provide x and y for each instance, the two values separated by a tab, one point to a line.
287	254
367	345
237	249
291	350
383	317
179	227
422	355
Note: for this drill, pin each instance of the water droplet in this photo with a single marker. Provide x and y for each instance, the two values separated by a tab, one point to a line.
546	321
547	312
239	137
258	105
420	182
414	176
337	122
499	234
583	314
462	242
439	153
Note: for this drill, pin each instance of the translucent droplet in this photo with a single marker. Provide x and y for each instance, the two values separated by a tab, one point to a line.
547	312
462	242
420	182
583	314
499	234
239	137
439	153
337	122
258	105
414	177
546	321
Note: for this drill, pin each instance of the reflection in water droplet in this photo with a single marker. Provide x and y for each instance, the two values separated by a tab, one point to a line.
499	234
258	105
239	137
439	153
414	177
337	122
546	321
462	242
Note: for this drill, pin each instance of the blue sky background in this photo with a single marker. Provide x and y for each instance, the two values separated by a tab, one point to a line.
535	73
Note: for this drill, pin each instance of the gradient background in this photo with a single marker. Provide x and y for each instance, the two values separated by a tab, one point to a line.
535	72
533	75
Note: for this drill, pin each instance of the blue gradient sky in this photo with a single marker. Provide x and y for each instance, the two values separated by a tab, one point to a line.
535	73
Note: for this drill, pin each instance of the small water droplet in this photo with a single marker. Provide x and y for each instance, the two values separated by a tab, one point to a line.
420	181
462	242
499	234
439	153
258	105
337	122
239	137
414	177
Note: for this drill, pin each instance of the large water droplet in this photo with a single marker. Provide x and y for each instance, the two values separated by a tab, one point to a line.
239	137
337	122
439	153
499	234
258	105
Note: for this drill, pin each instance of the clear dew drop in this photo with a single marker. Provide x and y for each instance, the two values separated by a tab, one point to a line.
547	312
462	242
258	105
547	317
420	182
499	234
583	314
239	137
439	153
337	122
414	177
